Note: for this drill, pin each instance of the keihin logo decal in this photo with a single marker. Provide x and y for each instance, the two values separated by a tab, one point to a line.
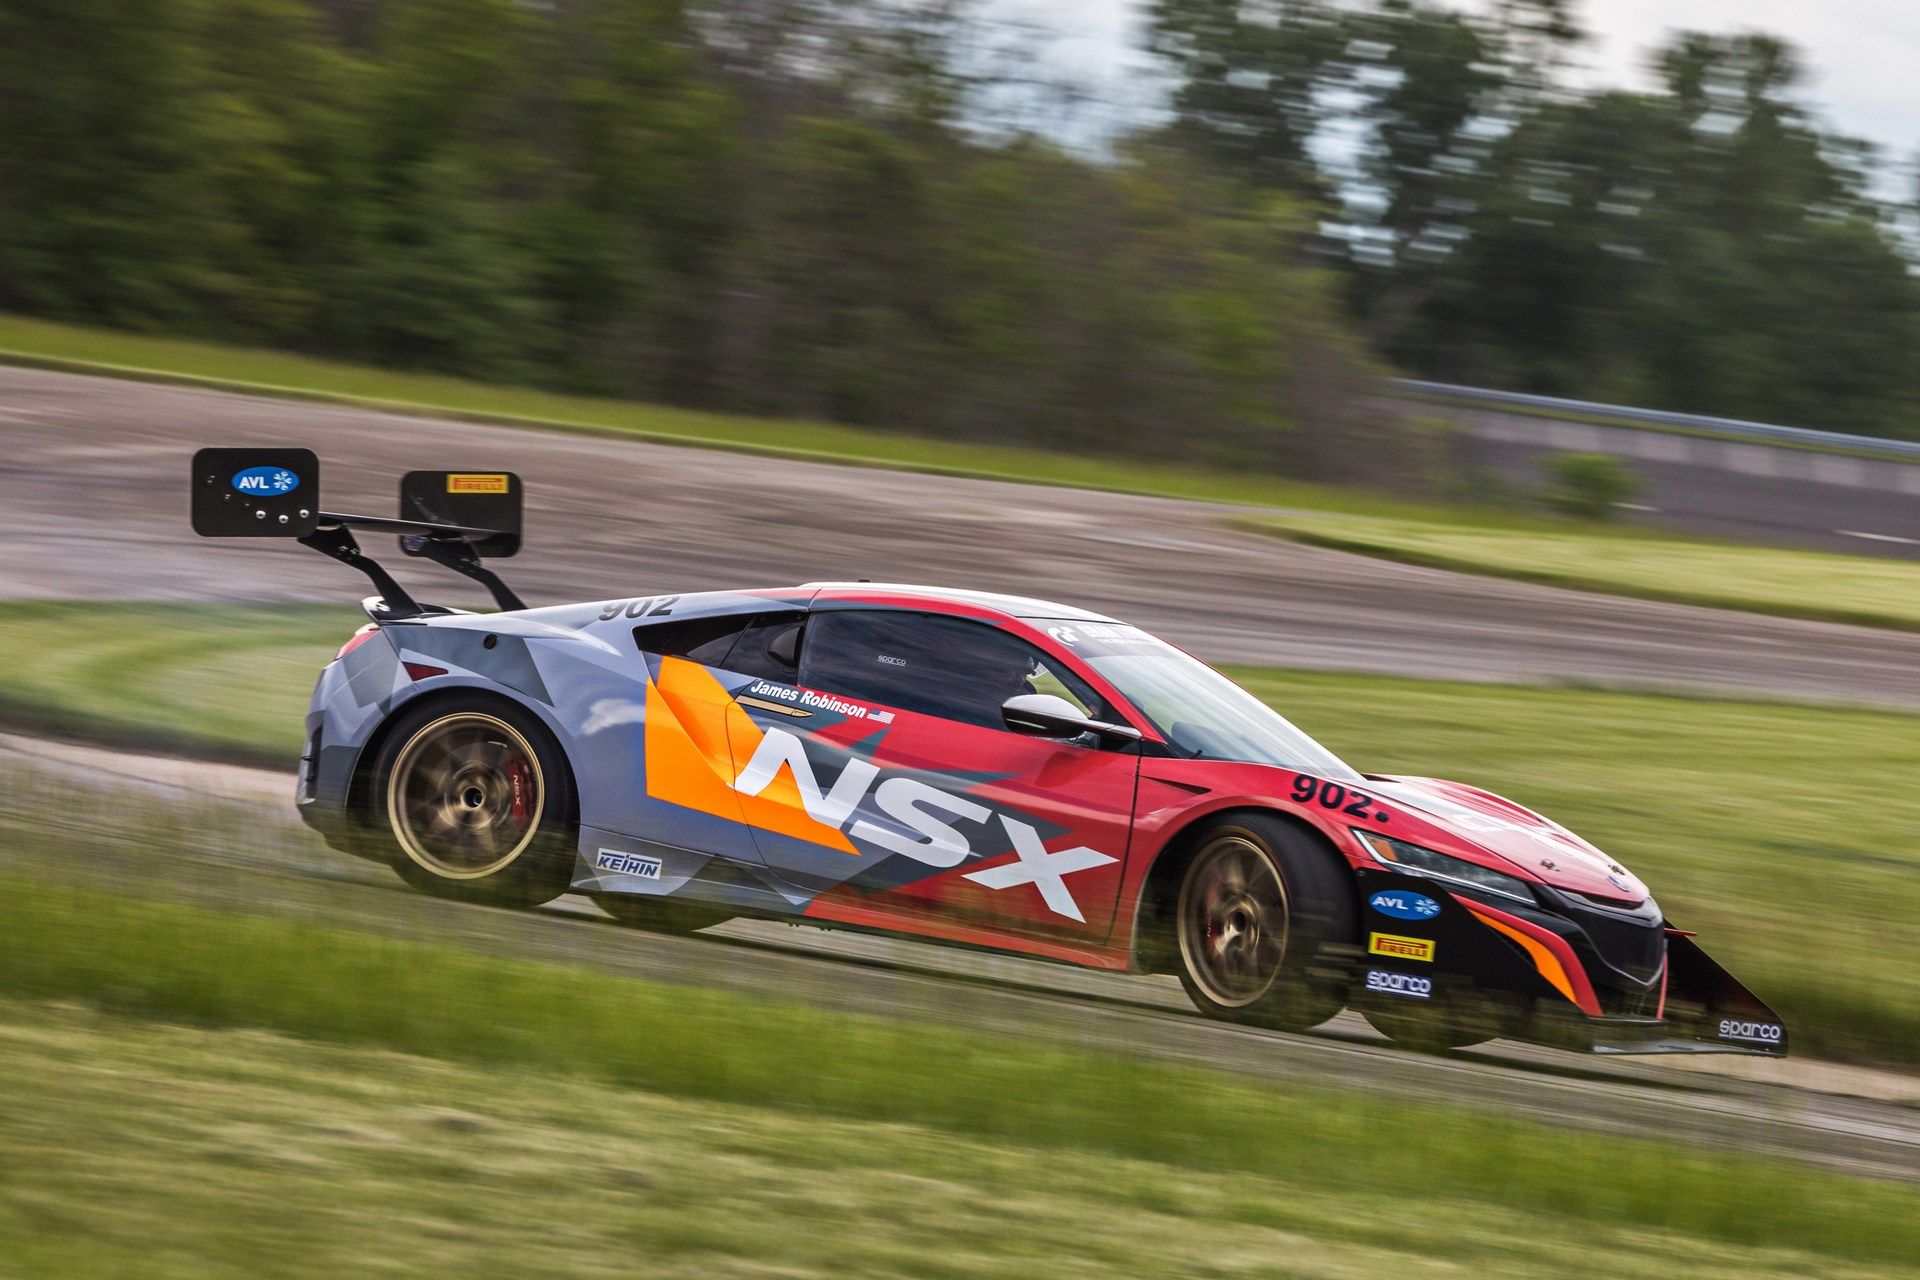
1392	944
476	483
1386	982
924	810
627	864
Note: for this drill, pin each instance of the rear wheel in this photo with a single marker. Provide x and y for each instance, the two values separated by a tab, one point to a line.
477	800
1259	907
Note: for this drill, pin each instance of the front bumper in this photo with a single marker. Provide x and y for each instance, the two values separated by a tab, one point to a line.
1570	974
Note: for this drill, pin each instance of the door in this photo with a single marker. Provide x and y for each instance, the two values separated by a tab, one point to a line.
694	668
900	791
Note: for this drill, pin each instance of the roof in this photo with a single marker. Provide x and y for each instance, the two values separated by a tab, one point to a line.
1015	606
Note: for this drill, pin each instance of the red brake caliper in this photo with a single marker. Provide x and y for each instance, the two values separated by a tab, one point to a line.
517	772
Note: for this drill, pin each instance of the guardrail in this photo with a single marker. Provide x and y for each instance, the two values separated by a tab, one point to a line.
1657	419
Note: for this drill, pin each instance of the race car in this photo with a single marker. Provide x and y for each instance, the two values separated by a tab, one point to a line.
953	765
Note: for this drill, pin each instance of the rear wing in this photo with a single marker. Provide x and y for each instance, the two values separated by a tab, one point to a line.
454	518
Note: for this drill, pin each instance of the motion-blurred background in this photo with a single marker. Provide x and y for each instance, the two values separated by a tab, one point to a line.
828	209
1522	392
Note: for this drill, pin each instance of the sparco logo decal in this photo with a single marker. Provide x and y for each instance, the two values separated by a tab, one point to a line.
925	811
1399	984
1763	1032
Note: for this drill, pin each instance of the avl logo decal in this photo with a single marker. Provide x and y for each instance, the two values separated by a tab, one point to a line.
924	810
270	482
1404	906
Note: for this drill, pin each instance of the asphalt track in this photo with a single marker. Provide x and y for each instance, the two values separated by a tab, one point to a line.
1851	1119
93	505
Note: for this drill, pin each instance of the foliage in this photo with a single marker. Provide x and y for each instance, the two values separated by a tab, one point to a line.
775	208
807	207
1589	486
1706	246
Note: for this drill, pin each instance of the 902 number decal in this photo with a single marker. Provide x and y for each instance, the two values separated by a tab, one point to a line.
1333	795
651	607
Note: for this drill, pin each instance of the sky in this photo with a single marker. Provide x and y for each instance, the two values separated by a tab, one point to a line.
1861	54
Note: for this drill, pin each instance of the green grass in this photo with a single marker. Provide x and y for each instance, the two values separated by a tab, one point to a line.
395	1163
994	1139
1631	562
39	343
212	680
1783	833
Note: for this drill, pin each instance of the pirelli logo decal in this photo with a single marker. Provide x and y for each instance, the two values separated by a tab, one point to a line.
1392	944
470	483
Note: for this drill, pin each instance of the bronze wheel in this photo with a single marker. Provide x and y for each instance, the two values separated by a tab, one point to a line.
1233	921
465	796
477	800
1263	923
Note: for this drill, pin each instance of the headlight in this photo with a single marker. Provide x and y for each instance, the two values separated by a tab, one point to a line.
1414	860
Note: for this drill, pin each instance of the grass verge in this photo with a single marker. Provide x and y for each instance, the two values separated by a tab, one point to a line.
218	681
1814	585
516	1027
1783	833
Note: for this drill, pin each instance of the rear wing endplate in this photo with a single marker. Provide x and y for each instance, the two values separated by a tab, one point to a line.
454	518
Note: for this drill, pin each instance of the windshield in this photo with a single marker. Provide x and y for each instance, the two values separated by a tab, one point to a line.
1197	709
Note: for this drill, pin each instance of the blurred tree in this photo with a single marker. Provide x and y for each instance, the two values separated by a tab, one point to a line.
1703	248
1252	81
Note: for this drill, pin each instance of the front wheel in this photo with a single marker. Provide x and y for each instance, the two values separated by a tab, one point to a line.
477	800
1260	906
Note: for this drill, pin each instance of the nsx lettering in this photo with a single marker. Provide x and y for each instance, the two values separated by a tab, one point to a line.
923	810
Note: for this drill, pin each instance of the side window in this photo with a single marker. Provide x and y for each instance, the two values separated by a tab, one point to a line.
704	640
932	664
755	644
770	648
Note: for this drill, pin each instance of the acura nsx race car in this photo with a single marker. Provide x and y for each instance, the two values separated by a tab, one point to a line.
953	765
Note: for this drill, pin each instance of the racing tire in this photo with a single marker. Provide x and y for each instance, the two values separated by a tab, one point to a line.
477	802
1262	912
659	915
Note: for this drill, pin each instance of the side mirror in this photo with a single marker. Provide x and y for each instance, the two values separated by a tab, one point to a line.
1047	715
